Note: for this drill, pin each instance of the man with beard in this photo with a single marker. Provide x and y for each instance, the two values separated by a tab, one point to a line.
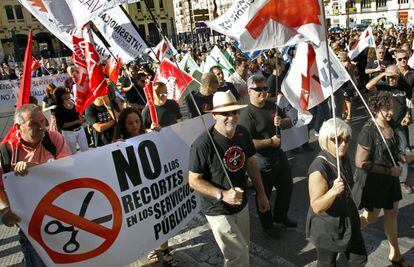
239	78
223	85
203	98
225	203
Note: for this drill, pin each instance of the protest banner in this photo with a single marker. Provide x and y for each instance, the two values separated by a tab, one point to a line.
9	89
298	134
111	205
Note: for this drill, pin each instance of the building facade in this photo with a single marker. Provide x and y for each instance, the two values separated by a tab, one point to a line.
15	22
163	11
386	12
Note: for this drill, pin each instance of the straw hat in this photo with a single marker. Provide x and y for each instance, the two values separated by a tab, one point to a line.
225	101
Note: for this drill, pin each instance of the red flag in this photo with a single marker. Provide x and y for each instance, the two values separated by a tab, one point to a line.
149	94
90	79
169	74
112	68
35	64
24	90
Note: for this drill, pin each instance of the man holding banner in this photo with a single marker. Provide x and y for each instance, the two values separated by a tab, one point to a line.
218	163
35	146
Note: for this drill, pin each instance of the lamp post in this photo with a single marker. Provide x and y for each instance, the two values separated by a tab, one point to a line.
15	44
190	9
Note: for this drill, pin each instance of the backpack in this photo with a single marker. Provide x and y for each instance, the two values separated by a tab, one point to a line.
5	154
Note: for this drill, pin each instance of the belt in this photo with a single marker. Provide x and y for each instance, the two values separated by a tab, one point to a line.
73	130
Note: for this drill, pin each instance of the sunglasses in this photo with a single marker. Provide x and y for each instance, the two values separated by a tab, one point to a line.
402	58
229	113
341	139
162	94
260	89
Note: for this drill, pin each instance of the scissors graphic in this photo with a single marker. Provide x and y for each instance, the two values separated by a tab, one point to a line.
55	227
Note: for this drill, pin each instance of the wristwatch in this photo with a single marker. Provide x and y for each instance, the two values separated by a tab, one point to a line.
219	195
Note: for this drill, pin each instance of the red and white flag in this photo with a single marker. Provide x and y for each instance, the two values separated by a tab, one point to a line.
177	83
264	24
35	64
90	80
366	39
307	83
163	50
112	69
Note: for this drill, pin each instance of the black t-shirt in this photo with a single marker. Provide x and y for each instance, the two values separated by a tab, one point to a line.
373	64
234	154
407	83
50	101
399	101
204	103
135	95
229	86
260	123
99	114
167	114
64	115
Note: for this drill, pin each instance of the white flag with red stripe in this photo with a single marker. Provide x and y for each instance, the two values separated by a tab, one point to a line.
35	64
163	50
264	24
366	39
307	83
90	79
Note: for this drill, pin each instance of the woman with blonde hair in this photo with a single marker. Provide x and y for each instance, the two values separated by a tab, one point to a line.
333	224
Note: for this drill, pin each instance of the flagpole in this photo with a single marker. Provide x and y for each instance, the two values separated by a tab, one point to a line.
332	92
278	132
192	98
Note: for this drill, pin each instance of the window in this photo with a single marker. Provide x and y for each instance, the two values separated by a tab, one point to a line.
141	30
381	3
161	4
366	3
139	6
164	28
19	12
9	12
402	2
150	3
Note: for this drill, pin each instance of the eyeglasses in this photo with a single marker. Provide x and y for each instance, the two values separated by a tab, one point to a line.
341	139
229	113
162	94
260	89
402	58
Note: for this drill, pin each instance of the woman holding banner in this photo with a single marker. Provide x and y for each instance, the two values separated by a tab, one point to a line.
333	224
382	187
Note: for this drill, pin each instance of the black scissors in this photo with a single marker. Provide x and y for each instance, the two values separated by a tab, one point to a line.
55	227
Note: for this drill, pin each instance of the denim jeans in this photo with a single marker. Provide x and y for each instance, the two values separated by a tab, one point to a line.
31	258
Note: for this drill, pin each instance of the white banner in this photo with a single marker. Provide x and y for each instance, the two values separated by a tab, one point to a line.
10	88
118	30
111	205
298	134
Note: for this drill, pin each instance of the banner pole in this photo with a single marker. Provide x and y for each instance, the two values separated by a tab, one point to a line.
191	97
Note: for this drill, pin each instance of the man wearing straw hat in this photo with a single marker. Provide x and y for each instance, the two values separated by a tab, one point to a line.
219	159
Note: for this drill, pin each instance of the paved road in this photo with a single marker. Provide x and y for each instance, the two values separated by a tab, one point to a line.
195	245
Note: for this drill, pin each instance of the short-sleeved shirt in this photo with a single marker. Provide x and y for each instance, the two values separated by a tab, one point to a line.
167	114
229	86
99	114
234	154
204	104
260	124
64	115
373	64
50	101
399	101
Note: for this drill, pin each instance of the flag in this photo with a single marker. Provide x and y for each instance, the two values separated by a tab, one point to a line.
307	83
252	55
90	79
35	64
189	65
411	61
264	24
366	39
112	69
221	59
163	50
24	90
177	83
121	34
149	94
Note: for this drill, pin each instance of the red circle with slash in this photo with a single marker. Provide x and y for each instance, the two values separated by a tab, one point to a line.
46	208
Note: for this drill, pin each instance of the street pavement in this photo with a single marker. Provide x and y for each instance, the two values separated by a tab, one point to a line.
195	245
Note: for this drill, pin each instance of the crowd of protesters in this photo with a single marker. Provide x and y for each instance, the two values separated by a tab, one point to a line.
247	123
